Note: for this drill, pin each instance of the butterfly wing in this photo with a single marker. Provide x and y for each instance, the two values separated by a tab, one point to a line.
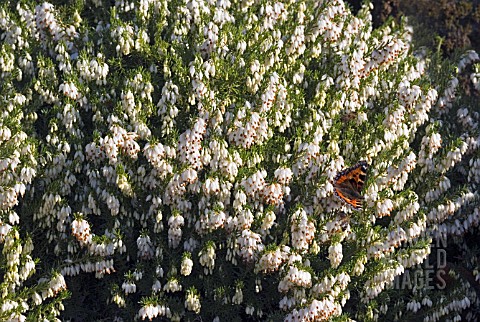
360	175
348	184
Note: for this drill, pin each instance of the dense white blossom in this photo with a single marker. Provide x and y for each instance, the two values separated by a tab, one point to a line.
182	157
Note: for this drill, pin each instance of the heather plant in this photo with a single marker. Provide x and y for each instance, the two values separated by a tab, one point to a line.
21	296
176	160
451	24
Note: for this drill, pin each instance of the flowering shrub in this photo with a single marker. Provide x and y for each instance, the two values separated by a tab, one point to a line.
176	159
453	21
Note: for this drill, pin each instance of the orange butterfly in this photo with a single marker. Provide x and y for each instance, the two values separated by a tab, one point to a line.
348	184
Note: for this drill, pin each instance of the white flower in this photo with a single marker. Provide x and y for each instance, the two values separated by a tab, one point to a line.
302	230
145	247
192	302
129	287
250	244
172	285
149	311
186	267
238	296
156	287
69	90
207	258
175	223
335	254
81	231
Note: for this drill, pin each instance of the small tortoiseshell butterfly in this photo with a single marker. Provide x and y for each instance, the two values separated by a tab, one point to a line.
348	184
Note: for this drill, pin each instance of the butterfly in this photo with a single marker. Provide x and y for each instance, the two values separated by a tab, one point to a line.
348	184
